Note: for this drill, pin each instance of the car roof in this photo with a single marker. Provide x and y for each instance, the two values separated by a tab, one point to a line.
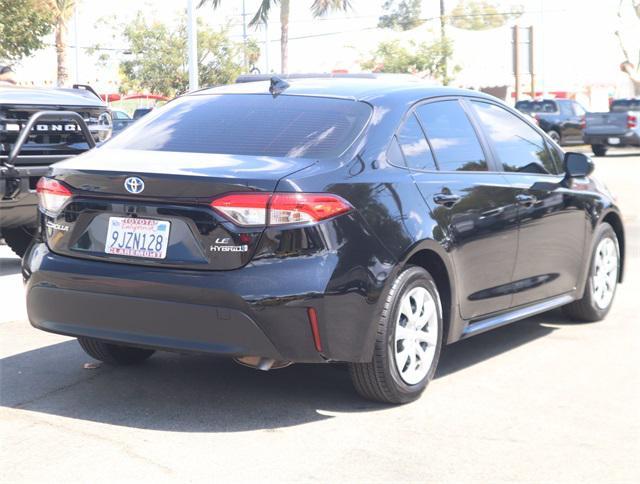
18	95
357	89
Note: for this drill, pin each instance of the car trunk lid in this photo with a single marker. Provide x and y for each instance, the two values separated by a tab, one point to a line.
175	200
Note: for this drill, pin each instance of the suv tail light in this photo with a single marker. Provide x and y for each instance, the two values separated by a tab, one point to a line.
248	209
52	195
583	122
632	121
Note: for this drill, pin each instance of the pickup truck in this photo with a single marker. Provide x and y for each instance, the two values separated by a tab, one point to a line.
39	127
561	119
619	127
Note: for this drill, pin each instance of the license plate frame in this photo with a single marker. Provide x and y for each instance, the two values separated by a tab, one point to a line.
613	141
142	238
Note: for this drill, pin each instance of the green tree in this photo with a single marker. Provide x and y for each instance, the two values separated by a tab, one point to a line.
158	58
319	8
481	15
402	15
425	58
23	23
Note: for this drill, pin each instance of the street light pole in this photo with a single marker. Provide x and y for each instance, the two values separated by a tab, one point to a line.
75	39
192	44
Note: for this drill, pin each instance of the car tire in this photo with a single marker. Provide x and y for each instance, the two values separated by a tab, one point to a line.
555	135
599	150
413	293
114	354
602	280
18	239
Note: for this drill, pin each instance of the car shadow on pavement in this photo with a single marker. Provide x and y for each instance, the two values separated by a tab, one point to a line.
9	266
200	393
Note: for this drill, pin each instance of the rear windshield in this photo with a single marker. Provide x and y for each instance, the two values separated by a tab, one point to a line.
249	124
537	106
620	105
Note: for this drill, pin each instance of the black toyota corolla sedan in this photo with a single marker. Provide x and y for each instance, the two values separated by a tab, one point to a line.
364	221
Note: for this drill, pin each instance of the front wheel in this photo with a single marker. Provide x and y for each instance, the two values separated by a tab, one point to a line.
408	342
604	273
599	150
114	354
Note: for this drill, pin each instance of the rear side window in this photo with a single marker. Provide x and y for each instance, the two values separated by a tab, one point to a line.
452	138
621	105
414	146
518	146
537	106
249	124
565	109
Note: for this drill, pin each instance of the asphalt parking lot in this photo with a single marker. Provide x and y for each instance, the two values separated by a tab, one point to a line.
542	400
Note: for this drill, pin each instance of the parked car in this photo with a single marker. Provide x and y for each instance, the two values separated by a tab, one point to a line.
340	220
619	127
121	120
52	138
561	119
138	113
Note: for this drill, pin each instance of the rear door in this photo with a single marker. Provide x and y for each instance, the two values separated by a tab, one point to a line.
473	205
552	222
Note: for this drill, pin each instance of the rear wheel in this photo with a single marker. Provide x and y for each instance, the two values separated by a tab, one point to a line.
554	135
112	353
408	341
602	281
599	150
18	239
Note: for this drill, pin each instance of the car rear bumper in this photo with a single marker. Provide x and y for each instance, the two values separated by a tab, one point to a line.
148	322
630	138
259	310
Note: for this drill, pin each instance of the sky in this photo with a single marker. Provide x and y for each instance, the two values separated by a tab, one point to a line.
575	42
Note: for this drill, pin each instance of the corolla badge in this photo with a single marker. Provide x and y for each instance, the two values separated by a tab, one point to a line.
133	184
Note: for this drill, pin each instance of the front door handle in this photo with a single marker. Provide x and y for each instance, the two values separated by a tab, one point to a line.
525	200
446	199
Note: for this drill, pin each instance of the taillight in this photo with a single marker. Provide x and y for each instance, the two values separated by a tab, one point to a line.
583	122
52	195
256	209
632	121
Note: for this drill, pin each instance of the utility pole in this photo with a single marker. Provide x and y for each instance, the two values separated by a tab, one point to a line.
443	33
516	59
75	39
532	69
192	44
244	37
266	46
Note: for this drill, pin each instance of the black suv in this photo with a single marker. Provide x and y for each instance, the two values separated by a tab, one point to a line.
64	122
339	220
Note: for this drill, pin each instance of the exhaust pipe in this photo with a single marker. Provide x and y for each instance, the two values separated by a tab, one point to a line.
261	363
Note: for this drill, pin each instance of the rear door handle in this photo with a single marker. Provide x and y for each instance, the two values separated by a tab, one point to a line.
446	199
525	200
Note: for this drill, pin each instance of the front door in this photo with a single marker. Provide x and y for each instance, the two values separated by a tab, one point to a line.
552	223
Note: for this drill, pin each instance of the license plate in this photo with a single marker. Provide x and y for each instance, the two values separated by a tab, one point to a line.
137	237
613	141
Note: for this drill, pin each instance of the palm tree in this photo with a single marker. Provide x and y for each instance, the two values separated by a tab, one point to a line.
319	8
61	11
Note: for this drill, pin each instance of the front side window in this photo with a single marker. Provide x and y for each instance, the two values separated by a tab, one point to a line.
452	137
249	124
414	146
519	147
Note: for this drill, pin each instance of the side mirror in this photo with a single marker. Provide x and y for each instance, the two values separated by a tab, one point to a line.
577	165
